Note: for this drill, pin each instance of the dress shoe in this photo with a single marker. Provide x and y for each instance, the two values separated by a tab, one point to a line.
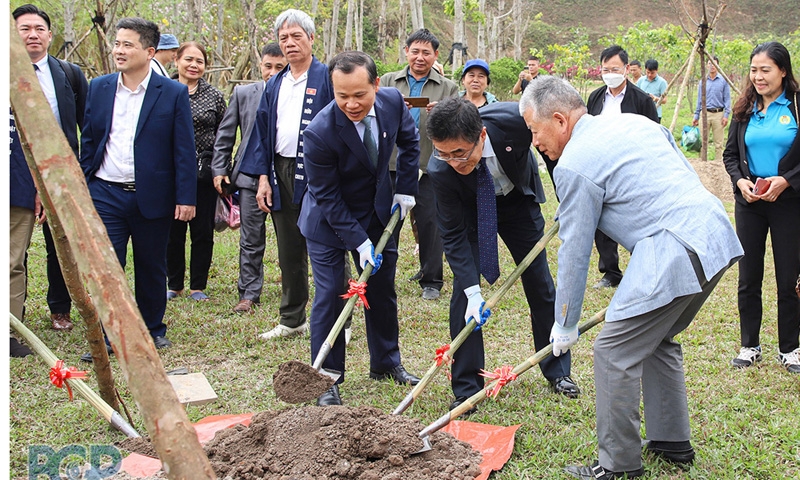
87	357
330	397
596	472
284	331
565	386
61	322
458	401
605	282
162	342
244	306
430	293
398	374
680	453
416	277
19	350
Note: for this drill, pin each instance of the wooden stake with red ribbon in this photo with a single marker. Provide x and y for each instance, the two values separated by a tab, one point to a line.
59	375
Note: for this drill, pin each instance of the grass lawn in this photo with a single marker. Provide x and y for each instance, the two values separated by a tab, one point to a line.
744	422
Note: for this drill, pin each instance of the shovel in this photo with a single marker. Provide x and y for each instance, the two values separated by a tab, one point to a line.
470	326
523	367
297	374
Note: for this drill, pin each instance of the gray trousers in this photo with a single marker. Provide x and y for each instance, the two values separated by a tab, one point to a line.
252	240
638	358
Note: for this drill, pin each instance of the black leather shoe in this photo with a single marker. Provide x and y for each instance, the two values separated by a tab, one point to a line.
458	401
398	374
565	386
330	397
162	342
605	282
680	453
19	350
87	357
596	472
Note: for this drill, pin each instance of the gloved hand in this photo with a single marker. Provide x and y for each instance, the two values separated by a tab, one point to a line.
366	252
563	338
404	202
475	305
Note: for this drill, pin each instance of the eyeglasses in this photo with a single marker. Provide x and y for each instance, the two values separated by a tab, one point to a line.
612	70
457	159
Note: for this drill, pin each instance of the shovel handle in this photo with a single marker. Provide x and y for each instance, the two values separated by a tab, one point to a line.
326	347
465	332
523	367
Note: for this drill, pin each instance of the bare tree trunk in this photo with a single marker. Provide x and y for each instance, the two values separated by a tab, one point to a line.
402	30
382	31
69	27
417	21
348	29
481	47
220	29
333	31
458	33
102	29
360	27
173	437
314	9
249	7
682	90
520	27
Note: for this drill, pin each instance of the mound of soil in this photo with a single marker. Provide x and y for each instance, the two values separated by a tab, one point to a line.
298	382
336	443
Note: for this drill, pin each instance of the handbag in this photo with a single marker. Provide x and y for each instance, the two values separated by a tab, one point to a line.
234	213
204	167
221	214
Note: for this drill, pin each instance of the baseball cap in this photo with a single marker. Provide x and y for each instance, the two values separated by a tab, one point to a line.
167	42
475	62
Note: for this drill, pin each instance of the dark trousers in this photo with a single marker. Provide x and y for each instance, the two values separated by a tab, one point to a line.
121	216
430	241
252	241
201	229
520	225
328	267
782	220
58	298
292	254
608	264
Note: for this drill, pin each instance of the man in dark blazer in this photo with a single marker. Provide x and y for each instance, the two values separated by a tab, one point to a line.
292	98
65	87
348	203
496	138
138	155
241	114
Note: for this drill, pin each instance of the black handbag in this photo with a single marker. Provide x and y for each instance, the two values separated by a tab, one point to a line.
204	167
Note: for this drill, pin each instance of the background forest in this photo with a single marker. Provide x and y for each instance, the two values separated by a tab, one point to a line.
567	34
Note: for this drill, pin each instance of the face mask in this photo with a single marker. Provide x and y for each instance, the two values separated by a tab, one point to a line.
613	80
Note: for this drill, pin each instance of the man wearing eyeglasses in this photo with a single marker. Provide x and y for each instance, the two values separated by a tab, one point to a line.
472	148
619	95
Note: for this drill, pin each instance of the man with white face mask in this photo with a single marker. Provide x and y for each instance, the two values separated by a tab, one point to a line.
618	96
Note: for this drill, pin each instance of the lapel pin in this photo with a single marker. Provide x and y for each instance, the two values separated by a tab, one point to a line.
384	134
508	149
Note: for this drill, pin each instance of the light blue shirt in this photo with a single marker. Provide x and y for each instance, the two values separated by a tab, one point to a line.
415	90
373	125
718	95
657	87
769	137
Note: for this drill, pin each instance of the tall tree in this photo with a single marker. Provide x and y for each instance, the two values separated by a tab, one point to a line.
458	33
382	31
348	29
417	21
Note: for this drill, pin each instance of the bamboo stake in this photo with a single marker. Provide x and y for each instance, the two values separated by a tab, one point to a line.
174	438
78	385
465	332
523	367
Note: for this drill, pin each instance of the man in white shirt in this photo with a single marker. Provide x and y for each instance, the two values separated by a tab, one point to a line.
165	54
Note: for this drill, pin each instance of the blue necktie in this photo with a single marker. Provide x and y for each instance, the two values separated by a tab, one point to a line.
369	141
487	225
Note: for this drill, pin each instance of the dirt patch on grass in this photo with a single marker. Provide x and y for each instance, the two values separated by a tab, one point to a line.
298	382
714	177
337	443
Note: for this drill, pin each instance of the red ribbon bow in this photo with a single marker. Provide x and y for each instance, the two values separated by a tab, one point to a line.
503	375
59	374
442	358
360	289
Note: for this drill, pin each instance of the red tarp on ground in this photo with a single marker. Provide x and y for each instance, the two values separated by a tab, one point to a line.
494	442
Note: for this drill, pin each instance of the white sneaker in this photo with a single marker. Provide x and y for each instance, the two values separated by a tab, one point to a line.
791	360
748	356
348	334
284	331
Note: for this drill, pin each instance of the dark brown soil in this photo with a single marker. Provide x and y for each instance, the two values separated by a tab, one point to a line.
298	382
139	445
334	443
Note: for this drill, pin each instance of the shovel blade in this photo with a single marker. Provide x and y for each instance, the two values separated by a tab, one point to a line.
334	374
426	445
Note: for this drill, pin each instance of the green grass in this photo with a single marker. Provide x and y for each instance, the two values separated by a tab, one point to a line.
744	422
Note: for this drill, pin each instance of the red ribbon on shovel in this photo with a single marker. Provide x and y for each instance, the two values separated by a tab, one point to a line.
442	358
360	289
503	375
59	374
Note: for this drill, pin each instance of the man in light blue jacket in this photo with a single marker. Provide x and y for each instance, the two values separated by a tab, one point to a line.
626	177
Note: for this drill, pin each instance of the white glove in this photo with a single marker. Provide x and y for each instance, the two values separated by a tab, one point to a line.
475	305
366	252
405	202
563	338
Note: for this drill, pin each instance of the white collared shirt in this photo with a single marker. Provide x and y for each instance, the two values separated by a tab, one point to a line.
611	103
502	184
45	77
118	160
361	128
290	112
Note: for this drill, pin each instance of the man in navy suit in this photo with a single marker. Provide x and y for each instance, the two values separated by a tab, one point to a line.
65	87
348	203
496	139
137	152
